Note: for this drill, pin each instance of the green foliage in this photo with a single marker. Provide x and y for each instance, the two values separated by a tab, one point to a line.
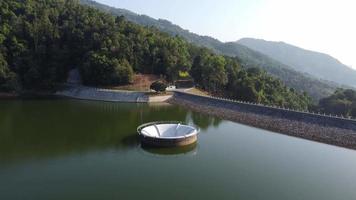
3	69
255	85
158	86
342	102
301	82
208	70
319	65
124	72
248	58
102	70
183	74
8	79
42	40
225	77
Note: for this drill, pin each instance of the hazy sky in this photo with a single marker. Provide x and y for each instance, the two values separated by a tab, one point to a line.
327	26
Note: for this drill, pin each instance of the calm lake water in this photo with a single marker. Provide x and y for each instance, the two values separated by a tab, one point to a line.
66	149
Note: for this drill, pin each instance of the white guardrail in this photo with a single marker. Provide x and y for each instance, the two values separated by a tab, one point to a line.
273	107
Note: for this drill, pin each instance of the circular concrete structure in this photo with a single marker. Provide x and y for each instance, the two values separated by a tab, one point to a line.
167	134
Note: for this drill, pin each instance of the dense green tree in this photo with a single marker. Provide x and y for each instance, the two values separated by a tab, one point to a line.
42	40
8	79
255	85
342	102
246	57
99	69
3	69
214	75
123	71
158	86
197	66
209	71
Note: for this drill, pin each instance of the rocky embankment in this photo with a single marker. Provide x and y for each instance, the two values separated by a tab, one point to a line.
313	127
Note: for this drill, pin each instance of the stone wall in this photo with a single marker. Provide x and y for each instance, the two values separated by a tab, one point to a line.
327	129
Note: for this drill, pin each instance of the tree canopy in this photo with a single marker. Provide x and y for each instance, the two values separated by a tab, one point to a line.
342	102
248	58
42	40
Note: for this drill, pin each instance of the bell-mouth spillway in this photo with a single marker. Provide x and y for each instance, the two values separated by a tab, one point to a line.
167	134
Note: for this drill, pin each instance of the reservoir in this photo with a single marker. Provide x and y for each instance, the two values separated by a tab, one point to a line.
69	149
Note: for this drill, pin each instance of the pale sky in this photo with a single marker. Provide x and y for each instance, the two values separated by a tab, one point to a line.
327	26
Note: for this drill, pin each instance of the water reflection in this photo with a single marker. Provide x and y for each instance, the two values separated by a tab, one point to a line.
130	141
203	121
37	129
183	150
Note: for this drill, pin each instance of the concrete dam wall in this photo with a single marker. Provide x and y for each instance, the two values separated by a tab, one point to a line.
327	129
99	94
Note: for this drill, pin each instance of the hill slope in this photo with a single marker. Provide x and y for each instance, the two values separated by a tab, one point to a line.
37	54
247	57
318	64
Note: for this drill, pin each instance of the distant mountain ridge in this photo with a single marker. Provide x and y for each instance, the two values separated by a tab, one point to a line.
302	82
318	64
161	24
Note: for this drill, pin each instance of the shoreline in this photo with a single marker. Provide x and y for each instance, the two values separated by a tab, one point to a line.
301	129
26	95
327	133
110	95
101	94
92	94
8	95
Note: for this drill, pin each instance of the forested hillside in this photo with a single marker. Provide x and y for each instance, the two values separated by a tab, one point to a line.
316	88
42	40
319	64
248	58
342	102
